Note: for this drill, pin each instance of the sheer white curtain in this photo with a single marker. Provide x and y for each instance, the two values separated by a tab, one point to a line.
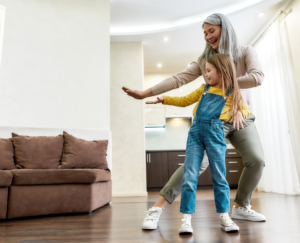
276	107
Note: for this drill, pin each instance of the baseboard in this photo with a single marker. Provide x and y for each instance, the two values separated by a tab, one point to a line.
130	194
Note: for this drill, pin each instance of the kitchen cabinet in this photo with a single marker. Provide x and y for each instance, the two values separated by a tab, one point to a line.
155	116
157	169
175	111
234	166
161	165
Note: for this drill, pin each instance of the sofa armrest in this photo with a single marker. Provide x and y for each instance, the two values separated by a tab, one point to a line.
5	178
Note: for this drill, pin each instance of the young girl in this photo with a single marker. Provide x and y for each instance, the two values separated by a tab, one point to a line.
214	107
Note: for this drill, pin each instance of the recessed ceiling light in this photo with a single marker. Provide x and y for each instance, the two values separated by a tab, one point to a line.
189	65
165	39
260	15
159	65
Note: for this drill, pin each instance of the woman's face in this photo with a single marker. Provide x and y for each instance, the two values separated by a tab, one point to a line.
212	35
212	75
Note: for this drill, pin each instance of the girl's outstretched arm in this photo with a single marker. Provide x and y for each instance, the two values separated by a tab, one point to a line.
185	100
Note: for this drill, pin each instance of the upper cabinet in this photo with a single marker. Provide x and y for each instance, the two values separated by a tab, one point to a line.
155	115
175	111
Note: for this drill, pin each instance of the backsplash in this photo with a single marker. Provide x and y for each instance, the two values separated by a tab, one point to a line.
173	136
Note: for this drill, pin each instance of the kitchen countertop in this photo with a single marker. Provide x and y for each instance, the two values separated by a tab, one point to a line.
229	146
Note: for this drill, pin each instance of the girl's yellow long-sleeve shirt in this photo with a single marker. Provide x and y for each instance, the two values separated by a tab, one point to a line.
196	96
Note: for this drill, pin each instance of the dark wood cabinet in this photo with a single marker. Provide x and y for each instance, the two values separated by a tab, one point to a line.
161	165
175	159
234	169
157	169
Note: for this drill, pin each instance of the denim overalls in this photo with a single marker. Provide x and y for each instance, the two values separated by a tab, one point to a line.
206	133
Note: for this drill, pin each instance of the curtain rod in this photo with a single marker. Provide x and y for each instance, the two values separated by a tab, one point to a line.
269	24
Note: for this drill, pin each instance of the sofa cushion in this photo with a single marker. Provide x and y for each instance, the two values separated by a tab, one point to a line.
5	178
38	152
7	154
55	176
79	153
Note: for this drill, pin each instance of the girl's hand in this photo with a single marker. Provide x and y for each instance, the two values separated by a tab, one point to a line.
238	121
159	100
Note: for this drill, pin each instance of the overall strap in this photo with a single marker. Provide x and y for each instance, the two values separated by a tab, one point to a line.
207	86
228	92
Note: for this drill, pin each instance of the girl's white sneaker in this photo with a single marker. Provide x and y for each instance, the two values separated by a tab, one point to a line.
246	213
151	219
186	225
227	224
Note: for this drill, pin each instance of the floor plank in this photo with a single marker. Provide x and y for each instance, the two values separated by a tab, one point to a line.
121	222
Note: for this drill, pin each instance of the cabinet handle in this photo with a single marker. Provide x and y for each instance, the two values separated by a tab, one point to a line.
233	171
149	158
231	152
152	124
181	155
232	162
180	164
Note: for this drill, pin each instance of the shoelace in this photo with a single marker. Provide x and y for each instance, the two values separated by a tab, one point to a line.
249	210
227	220
186	221
152	214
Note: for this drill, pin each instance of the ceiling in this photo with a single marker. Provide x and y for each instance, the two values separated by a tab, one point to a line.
149	21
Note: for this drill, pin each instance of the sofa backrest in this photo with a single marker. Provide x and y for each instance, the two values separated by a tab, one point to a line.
101	134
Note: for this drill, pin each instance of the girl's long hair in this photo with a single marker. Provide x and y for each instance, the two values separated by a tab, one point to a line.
228	41
225	66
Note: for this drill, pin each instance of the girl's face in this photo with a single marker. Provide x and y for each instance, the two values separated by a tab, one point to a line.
212	35
213	77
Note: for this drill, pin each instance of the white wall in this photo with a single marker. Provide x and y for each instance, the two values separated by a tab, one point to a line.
127	120
55	64
175	133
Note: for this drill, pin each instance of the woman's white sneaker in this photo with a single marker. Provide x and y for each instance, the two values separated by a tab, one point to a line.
151	219
227	224
246	213
186	225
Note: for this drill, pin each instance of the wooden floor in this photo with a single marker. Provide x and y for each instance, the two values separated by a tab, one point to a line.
121	222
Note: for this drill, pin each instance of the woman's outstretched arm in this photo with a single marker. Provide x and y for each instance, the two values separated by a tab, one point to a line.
186	76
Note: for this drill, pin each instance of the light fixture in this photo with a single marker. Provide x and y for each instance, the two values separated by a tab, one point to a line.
189	65
180	90
260	15
165	39
159	65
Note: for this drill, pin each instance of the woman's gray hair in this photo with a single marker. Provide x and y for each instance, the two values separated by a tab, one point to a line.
228	42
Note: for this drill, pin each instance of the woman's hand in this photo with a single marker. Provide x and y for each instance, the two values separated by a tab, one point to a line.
138	94
159	100
238	121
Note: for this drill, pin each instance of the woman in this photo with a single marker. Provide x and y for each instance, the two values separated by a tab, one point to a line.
220	38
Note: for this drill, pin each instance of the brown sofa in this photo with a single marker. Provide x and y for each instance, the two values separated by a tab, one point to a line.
5	182
27	192
52	191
